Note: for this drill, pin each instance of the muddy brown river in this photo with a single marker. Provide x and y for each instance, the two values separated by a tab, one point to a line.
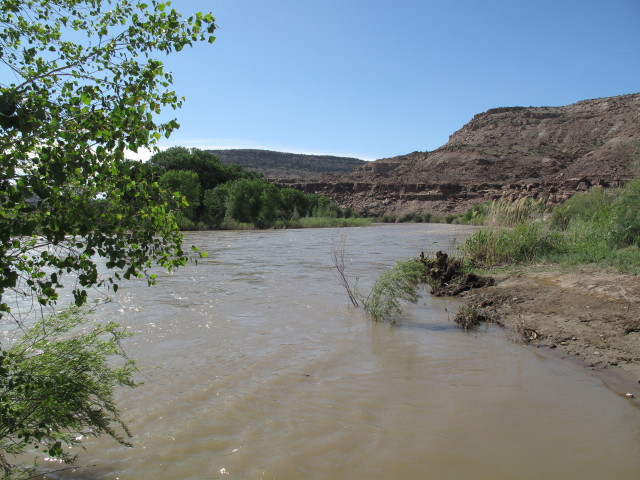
255	366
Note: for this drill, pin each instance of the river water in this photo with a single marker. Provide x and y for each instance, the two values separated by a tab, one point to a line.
255	366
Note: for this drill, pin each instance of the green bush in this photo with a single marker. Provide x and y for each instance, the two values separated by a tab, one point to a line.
594	205
388	218
393	286
328	222
409	218
625	218
57	385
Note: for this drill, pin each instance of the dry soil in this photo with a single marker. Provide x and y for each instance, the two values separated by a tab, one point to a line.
585	315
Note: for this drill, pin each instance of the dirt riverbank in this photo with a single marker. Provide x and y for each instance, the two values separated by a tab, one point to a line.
585	314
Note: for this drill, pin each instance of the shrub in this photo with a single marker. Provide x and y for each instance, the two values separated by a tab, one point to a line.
393	286
57	387
592	205
388	218
625	221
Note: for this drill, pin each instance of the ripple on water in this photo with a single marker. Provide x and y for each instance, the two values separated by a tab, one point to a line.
265	371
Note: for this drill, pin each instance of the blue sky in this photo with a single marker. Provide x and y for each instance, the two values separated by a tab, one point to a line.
375	79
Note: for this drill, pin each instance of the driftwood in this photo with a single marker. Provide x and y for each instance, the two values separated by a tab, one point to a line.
447	278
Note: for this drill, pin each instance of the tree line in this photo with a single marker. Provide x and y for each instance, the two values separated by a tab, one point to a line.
224	196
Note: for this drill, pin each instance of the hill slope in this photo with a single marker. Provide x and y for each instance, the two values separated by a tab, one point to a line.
288	166
549	152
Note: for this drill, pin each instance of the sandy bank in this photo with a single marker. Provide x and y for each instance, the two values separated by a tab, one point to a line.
587	315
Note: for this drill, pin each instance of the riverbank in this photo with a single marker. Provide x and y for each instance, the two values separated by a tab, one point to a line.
583	314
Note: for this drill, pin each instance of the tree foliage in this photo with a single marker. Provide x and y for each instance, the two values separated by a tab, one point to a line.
82	83
207	166
233	196
187	184
86	88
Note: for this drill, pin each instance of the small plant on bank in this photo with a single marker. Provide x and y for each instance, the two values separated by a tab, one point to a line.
393	286
470	317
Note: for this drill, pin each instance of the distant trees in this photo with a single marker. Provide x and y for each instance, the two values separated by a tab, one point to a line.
188	184
228	196
207	166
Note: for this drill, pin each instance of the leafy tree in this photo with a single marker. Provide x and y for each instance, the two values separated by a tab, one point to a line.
243	201
187	184
233	193
325	208
295	203
214	204
210	170
82	84
269	205
87	87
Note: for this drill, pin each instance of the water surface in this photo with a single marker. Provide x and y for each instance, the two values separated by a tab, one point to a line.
256	367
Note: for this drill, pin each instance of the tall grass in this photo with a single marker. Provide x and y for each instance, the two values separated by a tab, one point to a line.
525	243
599	226
502	213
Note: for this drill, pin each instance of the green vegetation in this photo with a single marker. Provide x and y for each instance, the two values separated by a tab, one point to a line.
80	86
505	214
57	388
600	227
390	290
393	286
413	217
220	196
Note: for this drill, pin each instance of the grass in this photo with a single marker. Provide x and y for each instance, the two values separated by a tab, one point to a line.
599	227
501	213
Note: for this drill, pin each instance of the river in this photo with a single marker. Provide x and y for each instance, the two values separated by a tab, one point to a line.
255	366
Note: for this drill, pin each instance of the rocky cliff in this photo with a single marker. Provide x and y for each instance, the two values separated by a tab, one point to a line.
549	152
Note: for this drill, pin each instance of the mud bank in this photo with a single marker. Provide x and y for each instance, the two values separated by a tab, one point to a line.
584	315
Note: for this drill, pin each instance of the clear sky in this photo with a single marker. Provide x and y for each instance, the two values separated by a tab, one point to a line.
375	79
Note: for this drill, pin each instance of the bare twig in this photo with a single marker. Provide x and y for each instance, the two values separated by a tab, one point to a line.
338	255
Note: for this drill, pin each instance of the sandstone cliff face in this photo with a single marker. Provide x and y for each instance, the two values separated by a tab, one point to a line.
549	152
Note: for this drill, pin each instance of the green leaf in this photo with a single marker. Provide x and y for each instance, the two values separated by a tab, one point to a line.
70	202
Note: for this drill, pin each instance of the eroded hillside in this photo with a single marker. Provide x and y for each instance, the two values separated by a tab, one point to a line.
549	152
